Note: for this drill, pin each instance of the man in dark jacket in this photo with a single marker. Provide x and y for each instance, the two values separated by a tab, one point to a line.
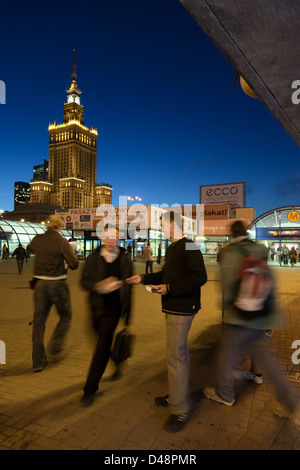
179	284
20	254
51	251
104	275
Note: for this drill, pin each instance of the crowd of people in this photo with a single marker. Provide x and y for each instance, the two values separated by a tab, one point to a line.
284	255
108	276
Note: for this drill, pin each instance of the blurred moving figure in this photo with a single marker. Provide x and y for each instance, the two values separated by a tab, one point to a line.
5	251
148	256
51	251
20	254
293	256
241	335
103	276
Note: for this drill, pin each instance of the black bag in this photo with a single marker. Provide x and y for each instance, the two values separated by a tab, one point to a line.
123	345
33	282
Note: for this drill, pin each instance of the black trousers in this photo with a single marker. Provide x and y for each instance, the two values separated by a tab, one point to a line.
104	325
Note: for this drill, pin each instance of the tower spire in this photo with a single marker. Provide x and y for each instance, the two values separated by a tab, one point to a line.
74	75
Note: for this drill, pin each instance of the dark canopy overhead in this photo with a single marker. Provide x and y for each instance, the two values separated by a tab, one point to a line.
261	40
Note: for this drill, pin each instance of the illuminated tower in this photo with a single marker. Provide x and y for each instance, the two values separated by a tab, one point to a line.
72	160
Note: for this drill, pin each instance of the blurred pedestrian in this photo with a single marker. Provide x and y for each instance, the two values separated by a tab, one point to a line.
103	276
285	254
272	252
129	251
159	254
179	283
148	257
242	335
51	251
5	251
293	256
20	253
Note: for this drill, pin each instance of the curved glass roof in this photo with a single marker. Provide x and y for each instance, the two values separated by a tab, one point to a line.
281	223
13	232
277	218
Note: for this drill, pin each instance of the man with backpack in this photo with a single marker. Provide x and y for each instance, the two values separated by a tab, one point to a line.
249	310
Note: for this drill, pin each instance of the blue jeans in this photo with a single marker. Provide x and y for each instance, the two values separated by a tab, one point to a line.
238	340
46	294
149	264
20	263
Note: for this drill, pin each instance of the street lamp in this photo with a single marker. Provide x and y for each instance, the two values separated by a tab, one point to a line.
135	198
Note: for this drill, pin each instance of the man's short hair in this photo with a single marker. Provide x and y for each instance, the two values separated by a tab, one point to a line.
238	229
55	221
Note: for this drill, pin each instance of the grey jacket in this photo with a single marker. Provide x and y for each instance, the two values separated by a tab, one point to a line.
52	251
229	264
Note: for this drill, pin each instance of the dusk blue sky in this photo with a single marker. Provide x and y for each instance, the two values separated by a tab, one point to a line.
159	93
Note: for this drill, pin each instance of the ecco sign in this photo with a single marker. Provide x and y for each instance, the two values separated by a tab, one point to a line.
232	194
222	191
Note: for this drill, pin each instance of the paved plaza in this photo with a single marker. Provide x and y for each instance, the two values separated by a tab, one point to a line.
41	411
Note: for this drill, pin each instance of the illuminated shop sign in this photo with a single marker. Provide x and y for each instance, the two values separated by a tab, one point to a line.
272	233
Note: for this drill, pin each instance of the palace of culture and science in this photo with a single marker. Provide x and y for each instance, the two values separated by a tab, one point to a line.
72	167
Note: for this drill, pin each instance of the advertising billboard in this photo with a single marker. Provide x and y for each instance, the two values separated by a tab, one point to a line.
233	194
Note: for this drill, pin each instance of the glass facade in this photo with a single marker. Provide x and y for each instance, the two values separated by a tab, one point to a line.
279	231
13	232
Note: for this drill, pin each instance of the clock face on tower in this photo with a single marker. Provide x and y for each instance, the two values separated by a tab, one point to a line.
71	99
77	100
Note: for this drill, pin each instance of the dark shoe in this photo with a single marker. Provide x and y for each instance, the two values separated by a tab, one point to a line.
176	422
87	400
39	369
164	402
117	375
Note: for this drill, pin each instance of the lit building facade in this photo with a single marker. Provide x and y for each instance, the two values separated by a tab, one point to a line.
72	160
22	193
40	172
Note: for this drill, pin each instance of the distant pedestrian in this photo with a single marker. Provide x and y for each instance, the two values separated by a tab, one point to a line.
272	252
293	256
51	251
148	257
285	254
159	254
242	334
21	255
5	251
129	251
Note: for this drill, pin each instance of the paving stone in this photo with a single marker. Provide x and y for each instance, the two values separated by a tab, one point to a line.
43	412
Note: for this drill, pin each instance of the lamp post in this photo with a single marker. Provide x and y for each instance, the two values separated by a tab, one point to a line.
134	199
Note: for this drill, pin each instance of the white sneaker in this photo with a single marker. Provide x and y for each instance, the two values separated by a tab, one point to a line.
245	376
212	395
